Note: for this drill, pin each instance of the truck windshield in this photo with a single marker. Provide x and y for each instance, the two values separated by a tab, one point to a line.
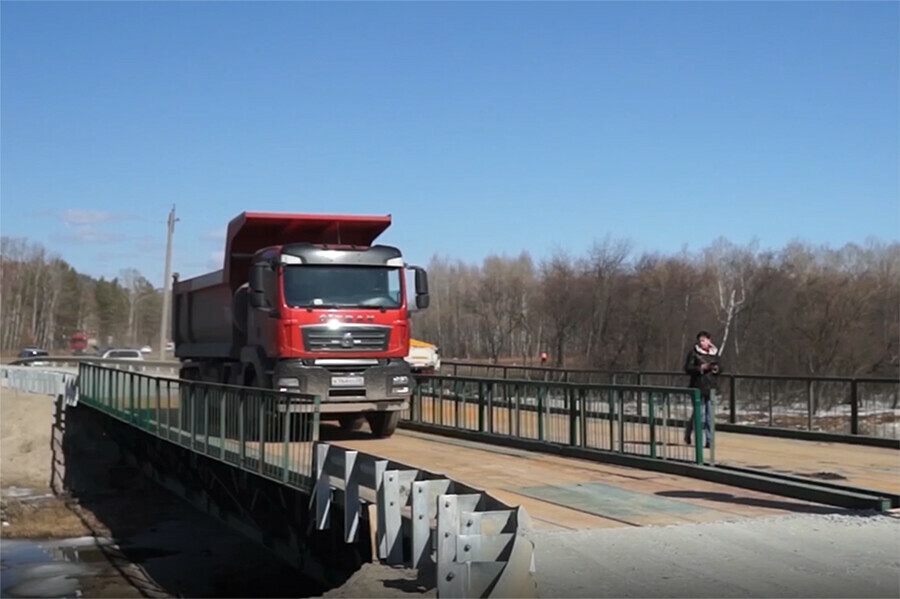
313	286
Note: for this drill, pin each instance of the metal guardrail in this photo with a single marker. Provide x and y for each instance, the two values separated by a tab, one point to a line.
843	405
45	382
145	366
866	408
246	427
626	419
480	546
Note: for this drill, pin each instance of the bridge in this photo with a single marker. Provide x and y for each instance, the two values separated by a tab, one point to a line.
488	457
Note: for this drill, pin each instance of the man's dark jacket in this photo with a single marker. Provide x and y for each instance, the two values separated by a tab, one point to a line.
705	381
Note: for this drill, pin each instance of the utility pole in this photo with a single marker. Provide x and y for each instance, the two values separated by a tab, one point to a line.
164	324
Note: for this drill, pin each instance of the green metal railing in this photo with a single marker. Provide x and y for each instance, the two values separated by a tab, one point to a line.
627	419
834	404
267	432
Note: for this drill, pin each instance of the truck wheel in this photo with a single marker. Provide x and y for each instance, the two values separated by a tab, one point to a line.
351	422
383	424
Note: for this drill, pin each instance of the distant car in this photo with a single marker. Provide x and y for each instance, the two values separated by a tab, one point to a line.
123	354
146	349
34	352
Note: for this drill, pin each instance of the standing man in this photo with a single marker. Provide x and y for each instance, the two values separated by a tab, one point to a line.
702	364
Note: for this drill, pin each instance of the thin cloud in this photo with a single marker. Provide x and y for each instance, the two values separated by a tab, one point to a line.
216	260
91	234
77	218
149	244
216	235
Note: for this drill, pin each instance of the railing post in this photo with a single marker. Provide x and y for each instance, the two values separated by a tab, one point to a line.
582	409
158	399
651	409
286	447
223	410
573	416
480	406
612	420
854	407
456	398
713	399
490	406
698	427
206	393
809	404
261	454
317	405
620	406
540	413
732	400
131	414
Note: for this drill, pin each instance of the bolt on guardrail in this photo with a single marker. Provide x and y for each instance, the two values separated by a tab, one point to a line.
268	432
636	420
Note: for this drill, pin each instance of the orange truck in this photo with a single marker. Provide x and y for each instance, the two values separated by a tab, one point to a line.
305	303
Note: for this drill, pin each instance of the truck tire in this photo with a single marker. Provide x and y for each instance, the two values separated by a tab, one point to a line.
351	422
383	424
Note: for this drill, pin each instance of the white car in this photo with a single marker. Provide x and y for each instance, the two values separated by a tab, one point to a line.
123	354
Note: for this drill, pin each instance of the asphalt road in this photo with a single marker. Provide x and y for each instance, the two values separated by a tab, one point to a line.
792	556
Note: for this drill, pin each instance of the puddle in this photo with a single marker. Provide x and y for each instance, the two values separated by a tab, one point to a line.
29	569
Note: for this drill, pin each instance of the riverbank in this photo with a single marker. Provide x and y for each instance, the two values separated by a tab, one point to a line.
122	536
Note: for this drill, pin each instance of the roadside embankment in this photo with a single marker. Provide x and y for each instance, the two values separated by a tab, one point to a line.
122	535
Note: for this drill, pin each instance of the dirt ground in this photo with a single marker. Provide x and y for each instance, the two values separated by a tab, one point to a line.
25	434
381	581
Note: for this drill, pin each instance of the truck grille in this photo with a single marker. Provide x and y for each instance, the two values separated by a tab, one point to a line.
346	339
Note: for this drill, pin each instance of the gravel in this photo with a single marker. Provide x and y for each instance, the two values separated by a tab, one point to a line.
833	555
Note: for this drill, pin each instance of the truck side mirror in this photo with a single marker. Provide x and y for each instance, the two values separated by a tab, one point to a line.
257	291
421	281
422	298
257	277
257	299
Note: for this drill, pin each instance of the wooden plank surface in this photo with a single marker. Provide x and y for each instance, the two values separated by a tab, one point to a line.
561	493
842	463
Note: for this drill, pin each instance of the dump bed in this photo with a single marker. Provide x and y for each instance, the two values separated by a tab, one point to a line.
203	306
252	231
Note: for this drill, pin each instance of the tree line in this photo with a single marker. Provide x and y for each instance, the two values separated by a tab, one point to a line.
45	301
799	310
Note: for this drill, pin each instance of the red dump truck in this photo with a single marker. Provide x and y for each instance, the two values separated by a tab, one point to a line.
305	303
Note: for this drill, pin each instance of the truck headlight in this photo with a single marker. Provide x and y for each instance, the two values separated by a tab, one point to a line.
400	380
287	382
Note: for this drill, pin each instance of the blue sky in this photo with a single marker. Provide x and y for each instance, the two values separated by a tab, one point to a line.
481	127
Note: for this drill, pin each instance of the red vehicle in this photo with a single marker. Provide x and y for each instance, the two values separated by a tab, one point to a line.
78	343
305	303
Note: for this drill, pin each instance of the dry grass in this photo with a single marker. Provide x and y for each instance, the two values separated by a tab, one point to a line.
51	518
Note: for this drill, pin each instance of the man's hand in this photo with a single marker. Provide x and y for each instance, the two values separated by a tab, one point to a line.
704	367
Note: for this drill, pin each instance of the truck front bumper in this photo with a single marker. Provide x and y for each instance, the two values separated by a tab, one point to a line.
386	387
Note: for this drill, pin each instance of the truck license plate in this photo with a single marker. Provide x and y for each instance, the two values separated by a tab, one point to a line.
347	381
